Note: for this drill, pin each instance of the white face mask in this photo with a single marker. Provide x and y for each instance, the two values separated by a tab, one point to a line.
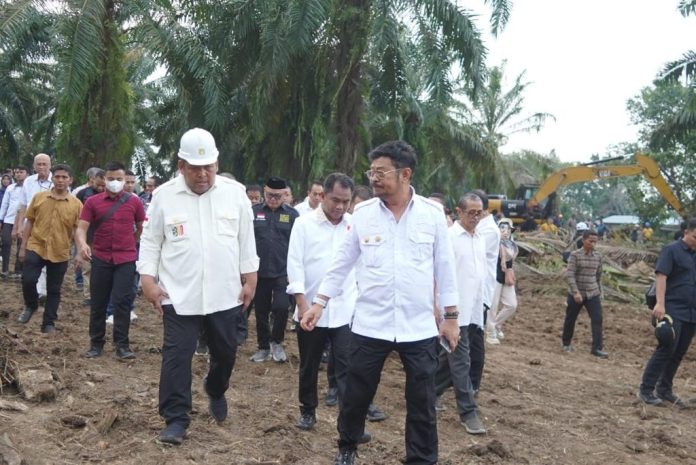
115	186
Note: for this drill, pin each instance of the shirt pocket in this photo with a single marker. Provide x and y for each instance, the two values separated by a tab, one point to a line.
373	249
176	228
228	224
421	242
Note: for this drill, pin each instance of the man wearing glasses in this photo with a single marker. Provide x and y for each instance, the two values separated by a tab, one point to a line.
273	222
401	240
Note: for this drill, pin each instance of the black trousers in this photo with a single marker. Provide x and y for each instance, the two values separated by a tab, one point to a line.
311	345
7	249
664	362
180	337
114	283
55	272
477	355
594	309
271	297
419	358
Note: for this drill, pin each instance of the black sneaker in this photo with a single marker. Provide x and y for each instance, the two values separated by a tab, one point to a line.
375	414
331	397
94	352
124	353
173	434
600	353
217	408
670	398
49	330
649	398
346	456
306	421
26	315
365	438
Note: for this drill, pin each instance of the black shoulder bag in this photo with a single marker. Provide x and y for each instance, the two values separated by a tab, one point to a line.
94	226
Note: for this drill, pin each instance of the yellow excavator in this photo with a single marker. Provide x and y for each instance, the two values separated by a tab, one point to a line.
539	201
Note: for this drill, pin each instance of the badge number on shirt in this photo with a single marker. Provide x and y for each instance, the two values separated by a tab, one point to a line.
284	218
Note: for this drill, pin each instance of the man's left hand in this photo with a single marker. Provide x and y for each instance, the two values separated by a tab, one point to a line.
247	294
449	329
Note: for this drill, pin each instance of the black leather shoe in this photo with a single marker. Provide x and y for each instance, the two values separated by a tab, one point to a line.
346	456
217	408
124	353
331	397
26	315
94	352
365	438
306	421
173	434
600	353
375	414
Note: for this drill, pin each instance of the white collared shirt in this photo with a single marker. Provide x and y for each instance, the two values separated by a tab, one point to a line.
400	262
470	262
199	245
314	242
304	208
32	186
489	231
10	203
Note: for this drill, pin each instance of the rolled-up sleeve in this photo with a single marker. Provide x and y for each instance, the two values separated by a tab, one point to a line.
248	260
151	240
343	262
296	275
444	267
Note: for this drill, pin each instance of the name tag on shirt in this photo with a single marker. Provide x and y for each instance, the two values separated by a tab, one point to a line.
260	217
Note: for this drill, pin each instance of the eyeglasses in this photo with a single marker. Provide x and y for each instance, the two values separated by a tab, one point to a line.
269	195
369	174
473	213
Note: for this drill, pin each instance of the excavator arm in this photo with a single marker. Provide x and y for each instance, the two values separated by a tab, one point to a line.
644	166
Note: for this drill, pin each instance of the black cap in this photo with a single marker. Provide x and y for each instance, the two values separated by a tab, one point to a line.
276	183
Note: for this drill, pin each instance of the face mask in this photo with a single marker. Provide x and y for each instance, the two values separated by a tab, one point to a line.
114	186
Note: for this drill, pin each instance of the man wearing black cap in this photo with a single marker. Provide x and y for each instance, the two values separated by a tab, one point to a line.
273	221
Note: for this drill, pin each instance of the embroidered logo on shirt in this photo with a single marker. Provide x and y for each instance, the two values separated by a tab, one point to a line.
284	218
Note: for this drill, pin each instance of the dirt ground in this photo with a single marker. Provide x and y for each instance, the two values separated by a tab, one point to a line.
540	406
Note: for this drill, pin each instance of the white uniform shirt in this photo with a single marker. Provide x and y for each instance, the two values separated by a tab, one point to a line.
470	262
304	207
400	264
10	203
314	242
33	186
199	245
489	231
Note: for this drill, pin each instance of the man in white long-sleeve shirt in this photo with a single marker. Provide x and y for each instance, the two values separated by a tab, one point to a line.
314	240
198	267
470	261
489	231
401	240
8	215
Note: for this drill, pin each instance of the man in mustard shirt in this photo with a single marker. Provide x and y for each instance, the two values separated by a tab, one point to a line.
51	219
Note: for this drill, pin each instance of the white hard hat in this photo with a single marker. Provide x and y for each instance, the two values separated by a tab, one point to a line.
197	147
582	226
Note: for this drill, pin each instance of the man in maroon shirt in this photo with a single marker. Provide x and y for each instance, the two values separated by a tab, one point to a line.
112	215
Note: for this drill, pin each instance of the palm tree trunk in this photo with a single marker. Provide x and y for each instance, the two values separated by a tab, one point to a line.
352	37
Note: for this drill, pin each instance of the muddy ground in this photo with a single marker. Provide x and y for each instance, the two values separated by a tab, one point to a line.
540	406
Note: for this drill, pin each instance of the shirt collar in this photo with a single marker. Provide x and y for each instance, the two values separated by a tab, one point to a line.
408	206
321	216
459	229
52	194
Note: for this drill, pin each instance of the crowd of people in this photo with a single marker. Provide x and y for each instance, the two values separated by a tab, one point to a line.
365	270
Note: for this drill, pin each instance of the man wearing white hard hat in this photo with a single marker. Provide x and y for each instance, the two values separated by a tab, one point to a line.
198	268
